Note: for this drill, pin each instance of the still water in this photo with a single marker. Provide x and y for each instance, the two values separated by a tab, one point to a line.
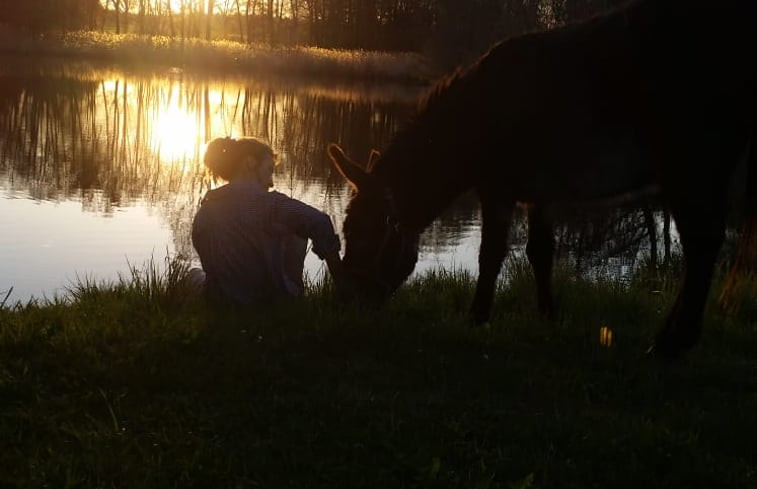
100	167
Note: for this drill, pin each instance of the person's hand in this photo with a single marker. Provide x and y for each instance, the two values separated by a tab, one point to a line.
341	280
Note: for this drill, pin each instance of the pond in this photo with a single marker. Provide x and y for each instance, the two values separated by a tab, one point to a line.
100	169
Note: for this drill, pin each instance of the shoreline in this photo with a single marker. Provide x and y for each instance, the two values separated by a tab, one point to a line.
220	57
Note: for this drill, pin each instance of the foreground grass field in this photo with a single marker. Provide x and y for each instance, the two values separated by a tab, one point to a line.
137	385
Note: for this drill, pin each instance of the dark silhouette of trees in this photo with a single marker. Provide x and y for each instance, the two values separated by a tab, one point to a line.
50	15
449	30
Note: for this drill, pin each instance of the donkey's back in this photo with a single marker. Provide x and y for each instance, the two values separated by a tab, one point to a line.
604	107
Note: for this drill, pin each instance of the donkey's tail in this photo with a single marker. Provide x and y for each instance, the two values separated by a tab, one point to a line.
742	277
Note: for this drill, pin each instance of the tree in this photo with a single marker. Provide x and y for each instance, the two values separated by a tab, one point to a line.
116	9
209	19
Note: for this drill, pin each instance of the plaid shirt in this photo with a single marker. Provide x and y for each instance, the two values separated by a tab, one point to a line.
240	233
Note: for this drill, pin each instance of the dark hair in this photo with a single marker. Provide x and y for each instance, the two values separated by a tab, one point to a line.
223	155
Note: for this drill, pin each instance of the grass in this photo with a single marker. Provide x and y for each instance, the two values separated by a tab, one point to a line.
137	385
220	56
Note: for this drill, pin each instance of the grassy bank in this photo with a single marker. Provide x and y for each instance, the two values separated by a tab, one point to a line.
195	55
137	385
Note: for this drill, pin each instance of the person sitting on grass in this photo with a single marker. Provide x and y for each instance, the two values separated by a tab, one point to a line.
251	241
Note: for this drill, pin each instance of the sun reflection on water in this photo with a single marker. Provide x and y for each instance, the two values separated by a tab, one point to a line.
176	132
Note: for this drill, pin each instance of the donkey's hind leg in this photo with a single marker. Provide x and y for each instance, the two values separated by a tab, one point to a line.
540	250
495	226
701	228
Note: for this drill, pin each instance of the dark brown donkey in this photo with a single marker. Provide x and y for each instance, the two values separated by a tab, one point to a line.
658	96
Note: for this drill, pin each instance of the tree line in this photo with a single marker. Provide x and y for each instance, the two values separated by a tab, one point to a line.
452	28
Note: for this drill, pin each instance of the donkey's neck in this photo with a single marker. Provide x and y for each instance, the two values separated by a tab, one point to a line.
429	163
424	173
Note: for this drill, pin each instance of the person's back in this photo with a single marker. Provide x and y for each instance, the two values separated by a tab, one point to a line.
241	249
252	242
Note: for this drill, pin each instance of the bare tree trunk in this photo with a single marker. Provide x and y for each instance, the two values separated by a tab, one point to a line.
270	23
313	34
247	24
239	18
182	12
141	17
252	6
116	4
170	18
126	6
195	18
294	11
209	19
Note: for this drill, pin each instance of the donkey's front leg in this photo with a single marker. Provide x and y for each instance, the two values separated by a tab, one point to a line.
495	226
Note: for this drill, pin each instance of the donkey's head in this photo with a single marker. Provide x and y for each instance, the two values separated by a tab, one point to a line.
380	253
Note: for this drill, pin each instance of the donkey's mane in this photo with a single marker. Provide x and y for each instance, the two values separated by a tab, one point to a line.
446	92
438	101
437	92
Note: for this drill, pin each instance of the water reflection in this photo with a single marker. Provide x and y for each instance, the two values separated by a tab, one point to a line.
110	140
46	245
115	143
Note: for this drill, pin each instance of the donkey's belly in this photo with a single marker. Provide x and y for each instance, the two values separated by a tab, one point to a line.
588	170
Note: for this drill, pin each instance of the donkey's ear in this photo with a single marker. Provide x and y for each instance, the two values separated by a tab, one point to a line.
372	159
355	176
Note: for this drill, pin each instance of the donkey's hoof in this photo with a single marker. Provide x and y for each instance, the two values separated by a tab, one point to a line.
668	349
665	353
479	319
676	339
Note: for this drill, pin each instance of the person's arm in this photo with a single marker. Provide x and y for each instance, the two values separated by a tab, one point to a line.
308	222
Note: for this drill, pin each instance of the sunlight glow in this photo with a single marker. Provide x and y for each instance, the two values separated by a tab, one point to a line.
174	5
221	6
175	132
